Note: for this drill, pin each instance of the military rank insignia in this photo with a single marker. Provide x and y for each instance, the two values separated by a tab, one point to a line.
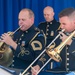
52	33
23	43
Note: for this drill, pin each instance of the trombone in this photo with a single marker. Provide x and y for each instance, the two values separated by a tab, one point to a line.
55	54
47	48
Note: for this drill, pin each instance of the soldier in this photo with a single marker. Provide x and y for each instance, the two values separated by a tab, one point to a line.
50	26
27	43
67	20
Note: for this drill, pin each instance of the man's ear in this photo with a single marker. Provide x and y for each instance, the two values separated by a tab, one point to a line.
53	14
32	19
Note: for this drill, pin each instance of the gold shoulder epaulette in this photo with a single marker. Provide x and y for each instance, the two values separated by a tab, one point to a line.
37	29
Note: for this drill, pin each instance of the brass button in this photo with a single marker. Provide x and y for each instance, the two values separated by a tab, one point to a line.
46	33
67	53
13	61
22	34
50	22
26	31
67	64
18	43
47	25
67	58
47	29
12	65
67	68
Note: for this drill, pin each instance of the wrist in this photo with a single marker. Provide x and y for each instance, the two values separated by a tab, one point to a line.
14	45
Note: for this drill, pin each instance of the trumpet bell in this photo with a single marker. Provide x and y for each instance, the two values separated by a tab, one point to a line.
54	55
6	57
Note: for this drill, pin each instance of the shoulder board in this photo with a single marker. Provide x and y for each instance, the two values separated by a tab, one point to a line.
42	22
37	29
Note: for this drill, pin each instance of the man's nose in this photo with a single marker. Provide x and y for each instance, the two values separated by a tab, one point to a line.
61	26
20	22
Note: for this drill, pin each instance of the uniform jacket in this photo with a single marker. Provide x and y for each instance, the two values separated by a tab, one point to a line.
49	28
68	58
30	44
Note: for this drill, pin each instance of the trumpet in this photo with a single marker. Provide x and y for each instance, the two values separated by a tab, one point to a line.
47	48
6	54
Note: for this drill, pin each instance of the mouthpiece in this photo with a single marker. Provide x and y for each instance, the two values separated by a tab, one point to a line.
63	30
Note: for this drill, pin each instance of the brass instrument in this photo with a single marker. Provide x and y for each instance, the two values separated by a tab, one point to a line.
48	47
6	54
55	54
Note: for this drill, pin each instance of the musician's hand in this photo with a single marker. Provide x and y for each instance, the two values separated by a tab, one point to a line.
63	37
8	40
35	69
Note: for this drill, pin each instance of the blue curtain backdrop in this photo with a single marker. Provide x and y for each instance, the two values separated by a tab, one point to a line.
9	10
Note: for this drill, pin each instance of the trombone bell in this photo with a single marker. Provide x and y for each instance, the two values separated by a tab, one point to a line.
54	55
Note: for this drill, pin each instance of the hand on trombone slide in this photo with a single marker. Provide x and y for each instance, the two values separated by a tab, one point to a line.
35	69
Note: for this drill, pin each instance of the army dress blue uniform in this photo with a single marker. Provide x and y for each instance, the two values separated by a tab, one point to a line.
68	60
30	44
49	28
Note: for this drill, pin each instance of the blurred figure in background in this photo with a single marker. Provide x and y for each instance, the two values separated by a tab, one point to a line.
49	27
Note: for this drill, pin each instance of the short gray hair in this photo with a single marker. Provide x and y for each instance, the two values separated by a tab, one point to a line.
70	12
31	14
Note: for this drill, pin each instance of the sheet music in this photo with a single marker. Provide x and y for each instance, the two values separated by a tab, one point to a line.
4	72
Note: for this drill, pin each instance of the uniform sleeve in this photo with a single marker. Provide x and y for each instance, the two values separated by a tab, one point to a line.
32	50
43	59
